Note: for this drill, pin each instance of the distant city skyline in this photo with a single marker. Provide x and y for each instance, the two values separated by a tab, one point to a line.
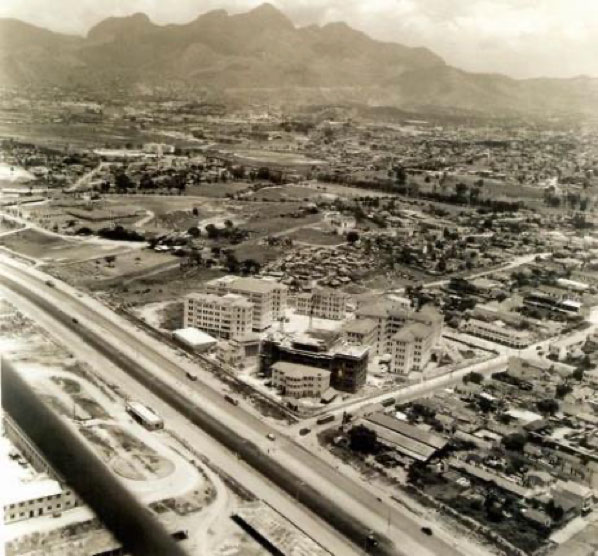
520	38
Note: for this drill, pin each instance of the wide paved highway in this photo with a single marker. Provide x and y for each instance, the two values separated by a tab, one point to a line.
343	503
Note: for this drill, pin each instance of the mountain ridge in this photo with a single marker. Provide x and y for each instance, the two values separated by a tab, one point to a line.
263	50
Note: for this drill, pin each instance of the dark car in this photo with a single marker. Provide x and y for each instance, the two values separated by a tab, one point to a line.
75	320
426	531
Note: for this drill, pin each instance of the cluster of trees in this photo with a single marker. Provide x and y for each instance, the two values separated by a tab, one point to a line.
363	440
229	232
571	199
120	233
475	378
244	267
495	205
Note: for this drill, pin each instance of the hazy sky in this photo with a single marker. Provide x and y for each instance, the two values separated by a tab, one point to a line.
522	38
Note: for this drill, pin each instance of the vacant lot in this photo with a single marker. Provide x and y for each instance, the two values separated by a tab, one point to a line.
216	190
274	158
347	191
47	247
170	285
287	192
316	237
126	266
32	243
103	214
158	204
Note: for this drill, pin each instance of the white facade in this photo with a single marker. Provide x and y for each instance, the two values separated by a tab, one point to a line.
42	496
300	381
411	348
324	303
498	332
30	487
269	298
226	316
392	316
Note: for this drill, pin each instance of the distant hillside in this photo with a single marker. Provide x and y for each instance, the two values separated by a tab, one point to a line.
262	55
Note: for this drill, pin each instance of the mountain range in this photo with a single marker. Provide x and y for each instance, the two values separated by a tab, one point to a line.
261	56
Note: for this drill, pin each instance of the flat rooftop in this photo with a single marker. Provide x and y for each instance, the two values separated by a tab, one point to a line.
193	336
248	284
297	370
20	481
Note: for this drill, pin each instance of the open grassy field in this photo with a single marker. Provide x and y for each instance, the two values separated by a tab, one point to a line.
271	224
492	189
127	265
287	193
259	253
166	286
347	191
158	204
316	237
251	156
216	190
48	247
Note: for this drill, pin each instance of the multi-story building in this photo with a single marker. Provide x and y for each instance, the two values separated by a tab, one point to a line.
31	488
346	364
299	381
497	331
361	332
412	348
226	316
269	298
324	303
391	316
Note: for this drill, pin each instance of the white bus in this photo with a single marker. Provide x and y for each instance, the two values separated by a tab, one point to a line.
144	416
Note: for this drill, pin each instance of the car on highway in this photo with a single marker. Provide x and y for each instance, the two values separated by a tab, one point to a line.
231	400
191	376
271	436
427	531
75	320
49	283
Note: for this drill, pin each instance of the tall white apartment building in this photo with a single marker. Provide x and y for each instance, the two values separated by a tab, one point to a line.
392	316
269	298
411	348
324	303
227	316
